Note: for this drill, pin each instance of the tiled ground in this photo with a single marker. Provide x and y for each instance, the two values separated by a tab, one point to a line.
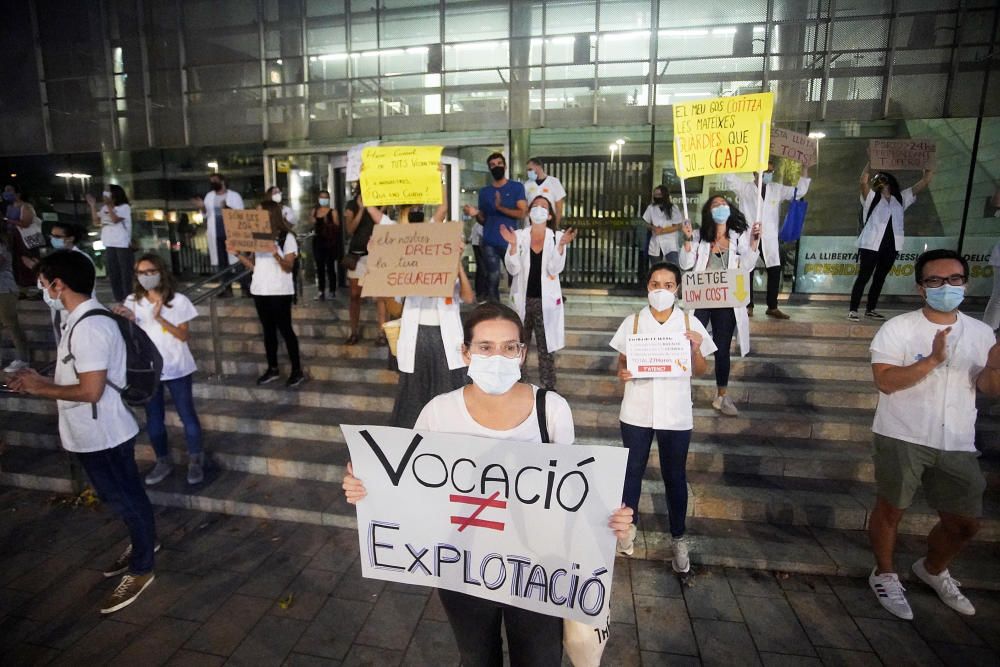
239	590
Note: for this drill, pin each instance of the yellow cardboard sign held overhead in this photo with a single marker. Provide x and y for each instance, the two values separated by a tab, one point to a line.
401	175
722	135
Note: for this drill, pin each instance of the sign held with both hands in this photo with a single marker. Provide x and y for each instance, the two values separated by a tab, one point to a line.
248	230
902	154
413	260
726	288
401	175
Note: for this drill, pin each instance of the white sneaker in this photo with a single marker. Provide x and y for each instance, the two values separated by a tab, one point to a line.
725	405
16	365
681	561
946	587
627	546
853	316
890	594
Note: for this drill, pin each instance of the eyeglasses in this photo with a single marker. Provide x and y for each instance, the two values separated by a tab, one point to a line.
511	349
955	280
150	272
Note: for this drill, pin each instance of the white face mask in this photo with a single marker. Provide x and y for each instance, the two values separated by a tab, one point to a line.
496	374
149	282
106	194
53	303
661	300
276	197
539	215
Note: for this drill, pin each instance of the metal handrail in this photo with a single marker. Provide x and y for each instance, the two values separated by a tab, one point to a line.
226	277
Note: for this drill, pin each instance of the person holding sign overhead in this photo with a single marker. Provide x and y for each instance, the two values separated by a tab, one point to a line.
660	404
881	238
217	199
273	291
764	208
501	204
496	405
725	243
535	258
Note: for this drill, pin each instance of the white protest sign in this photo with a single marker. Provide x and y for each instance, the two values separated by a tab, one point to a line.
658	355
518	523
354	160
726	288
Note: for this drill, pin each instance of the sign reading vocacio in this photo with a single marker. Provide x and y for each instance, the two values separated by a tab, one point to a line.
519	523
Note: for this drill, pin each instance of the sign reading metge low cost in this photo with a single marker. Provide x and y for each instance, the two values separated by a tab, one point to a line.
401	175
912	154
728	288
794	146
722	135
518	523
413	260
248	230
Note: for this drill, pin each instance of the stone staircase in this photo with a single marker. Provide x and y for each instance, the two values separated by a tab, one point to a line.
787	485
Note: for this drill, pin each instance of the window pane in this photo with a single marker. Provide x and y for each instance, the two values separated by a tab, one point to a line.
570	16
469	21
625	14
473	55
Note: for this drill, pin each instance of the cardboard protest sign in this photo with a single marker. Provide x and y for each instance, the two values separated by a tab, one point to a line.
354	160
725	134
727	288
413	260
916	154
657	355
794	146
401	175
248	230
519	523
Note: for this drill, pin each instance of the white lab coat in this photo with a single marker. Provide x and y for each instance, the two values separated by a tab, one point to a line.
774	194
553	262
233	200
744	258
992	314
450	322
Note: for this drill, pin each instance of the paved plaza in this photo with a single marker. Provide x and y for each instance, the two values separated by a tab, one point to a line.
240	590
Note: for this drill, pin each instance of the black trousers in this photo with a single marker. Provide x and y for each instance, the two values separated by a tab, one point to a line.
326	268
275	313
723	321
773	286
875	266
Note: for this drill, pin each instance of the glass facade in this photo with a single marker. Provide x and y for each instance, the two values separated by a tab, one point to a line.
149	93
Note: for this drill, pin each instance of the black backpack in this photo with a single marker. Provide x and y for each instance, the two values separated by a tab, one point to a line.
143	362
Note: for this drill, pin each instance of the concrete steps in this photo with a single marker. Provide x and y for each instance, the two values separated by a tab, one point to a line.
786	485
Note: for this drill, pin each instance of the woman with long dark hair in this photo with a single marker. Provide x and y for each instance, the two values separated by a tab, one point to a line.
663	220
328	245
164	314
881	237
273	291
114	217
725	243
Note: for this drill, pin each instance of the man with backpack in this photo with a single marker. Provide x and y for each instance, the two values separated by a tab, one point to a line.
91	378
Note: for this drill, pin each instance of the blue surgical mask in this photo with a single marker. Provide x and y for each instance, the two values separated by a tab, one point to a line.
8	196
767	177
58	243
324	201
946	298
720	214
532	176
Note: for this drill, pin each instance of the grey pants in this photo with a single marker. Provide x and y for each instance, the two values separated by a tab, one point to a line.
8	320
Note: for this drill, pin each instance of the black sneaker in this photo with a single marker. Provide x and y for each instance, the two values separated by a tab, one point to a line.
295	379
872	315
270	375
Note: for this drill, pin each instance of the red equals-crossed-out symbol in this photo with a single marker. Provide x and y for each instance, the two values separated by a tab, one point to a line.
482	503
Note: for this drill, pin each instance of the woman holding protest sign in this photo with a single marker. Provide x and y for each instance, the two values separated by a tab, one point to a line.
881	238
660	405
725	243
273	290
429	349
535	257
496	405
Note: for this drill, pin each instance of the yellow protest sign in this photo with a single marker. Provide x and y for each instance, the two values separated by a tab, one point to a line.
721	135
401	175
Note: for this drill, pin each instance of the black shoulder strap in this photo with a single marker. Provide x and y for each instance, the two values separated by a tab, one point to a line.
543	426
69	349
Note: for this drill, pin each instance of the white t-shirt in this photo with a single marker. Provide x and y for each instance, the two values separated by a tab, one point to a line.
269	279
659	403
116	234
97	345
874	229
664	243
551	188
447	413
177	359
476	234
940	410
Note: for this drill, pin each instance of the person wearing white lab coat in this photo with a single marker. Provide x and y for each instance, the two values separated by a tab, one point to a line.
992	314
217	199
663	219
535	257
765	209
725	243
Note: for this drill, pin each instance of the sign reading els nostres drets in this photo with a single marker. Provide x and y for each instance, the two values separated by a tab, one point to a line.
518	523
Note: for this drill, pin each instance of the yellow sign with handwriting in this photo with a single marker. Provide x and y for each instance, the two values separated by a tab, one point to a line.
401	175
722	135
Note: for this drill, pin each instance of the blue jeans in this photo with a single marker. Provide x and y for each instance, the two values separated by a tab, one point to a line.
116	480
492	258
181	392
673	448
